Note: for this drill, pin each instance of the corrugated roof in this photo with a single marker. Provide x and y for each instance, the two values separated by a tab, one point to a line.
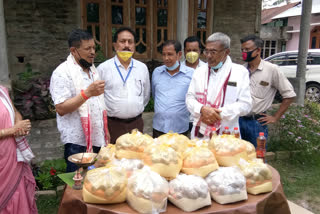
268	14
296	11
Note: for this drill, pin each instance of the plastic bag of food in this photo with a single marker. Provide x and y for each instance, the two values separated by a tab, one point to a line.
147	191
227	150
177	141
189	192
105	185
199	160
227	185
105	155
130	165
251	150
258	176
164	160
132	145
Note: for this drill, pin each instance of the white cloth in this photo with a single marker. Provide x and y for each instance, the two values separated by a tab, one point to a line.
63	88
125	101
201	63
24	152
237	99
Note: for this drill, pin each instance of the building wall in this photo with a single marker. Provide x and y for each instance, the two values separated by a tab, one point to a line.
37	32
237	19
293	44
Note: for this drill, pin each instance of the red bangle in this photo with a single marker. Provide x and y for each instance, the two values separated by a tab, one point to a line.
83	95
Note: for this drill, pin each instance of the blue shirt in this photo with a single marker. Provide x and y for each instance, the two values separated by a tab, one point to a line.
169	93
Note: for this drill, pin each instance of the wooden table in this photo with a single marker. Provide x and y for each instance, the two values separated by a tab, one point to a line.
274	202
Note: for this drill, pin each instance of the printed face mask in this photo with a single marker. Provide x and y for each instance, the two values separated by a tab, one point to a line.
125	55
192	57
247	56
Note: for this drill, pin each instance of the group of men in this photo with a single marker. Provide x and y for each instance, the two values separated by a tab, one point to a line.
96	106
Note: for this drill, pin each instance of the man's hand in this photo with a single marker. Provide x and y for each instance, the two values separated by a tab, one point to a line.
95	89
267	119
210	115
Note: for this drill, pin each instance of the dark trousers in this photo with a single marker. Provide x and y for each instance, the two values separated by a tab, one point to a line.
71	149
157	133
118	127
250	128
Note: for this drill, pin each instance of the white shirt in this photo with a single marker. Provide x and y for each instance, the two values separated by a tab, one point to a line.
237	102
69	125
125	100
201	63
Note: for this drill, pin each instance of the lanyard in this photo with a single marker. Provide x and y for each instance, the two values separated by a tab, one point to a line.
123	80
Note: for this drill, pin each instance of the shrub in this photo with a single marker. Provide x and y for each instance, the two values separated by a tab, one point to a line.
46	175
298	130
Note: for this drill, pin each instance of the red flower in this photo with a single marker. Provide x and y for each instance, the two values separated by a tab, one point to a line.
53	171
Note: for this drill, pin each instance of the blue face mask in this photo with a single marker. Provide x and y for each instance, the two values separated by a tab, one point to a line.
220	64
173	67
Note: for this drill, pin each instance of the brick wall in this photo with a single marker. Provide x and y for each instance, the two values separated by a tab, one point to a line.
237	19
37	30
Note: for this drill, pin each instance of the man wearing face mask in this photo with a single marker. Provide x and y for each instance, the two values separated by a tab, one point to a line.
265	80
192	51
170	84
219	93
77	93
127	89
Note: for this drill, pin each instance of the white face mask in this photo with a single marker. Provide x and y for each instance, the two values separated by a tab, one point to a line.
173	67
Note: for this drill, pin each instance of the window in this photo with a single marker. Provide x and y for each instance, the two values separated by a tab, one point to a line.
154	22
315	38
200	19
292	59
269	48
279	60
313	60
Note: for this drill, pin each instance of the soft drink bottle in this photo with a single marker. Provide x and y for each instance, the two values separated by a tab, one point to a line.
226	130
213	132
236	132
261	146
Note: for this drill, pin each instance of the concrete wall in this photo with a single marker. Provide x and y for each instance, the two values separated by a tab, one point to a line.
37	30
237	19
293	44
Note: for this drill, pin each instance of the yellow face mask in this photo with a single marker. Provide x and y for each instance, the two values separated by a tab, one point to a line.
125	55
192	57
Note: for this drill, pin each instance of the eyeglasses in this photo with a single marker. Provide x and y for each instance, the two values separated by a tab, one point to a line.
213	52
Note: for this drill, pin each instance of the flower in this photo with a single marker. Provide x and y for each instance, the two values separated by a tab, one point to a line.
306	115
283	116
301	126
298	121
52	171
290	133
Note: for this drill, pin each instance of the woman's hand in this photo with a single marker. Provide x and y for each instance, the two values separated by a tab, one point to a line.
22	128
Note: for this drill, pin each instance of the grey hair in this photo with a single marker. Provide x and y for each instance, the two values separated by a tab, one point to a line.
221	37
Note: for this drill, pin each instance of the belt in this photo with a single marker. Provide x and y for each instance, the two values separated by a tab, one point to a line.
253	116
129	120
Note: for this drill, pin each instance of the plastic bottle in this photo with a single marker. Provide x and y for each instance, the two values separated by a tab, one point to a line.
213	132
236	132
226	130
261	146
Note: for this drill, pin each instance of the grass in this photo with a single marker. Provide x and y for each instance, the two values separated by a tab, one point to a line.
48	204
300	183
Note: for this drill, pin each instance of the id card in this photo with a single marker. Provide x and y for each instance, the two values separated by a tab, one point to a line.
124	91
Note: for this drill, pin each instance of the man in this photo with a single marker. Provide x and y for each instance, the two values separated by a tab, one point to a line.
265	80
192	51
77	93
170	84
127	89
219	93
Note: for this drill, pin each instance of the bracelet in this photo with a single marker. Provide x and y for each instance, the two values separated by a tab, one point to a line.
83	95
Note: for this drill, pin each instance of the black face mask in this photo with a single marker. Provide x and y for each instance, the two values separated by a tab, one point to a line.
84	63
247	56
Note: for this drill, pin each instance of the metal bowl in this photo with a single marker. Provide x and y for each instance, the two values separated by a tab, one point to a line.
76	159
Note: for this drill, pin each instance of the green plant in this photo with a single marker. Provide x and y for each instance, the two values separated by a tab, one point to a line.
298	130
150	106
47	177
